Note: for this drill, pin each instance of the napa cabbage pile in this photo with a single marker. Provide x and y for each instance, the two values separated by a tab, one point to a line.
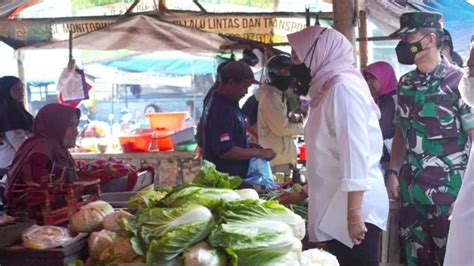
210	222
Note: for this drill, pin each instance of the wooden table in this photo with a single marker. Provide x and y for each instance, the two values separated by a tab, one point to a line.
171	167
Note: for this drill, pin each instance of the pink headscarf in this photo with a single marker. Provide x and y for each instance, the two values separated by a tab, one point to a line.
331	61
385	74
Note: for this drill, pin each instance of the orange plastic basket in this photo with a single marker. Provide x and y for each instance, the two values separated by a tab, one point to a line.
135	143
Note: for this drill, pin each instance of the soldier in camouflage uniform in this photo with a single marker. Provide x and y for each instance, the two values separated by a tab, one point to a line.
429	148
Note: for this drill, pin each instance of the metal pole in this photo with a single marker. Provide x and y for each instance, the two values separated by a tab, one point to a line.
70	46
129	10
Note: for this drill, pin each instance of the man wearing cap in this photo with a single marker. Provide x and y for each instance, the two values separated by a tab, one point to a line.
447	50
225	139
429	153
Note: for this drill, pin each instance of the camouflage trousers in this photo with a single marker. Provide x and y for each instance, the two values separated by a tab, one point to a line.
424	233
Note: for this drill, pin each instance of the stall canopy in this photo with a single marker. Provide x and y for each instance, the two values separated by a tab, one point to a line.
458	16
145	34
166	63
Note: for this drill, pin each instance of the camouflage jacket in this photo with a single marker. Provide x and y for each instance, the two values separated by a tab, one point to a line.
434	120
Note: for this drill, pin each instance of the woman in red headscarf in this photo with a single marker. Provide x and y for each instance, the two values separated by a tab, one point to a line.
45	157
383	86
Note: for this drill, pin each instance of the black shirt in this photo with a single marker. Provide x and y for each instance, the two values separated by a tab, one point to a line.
224	128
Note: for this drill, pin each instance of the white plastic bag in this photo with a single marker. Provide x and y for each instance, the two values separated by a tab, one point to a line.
72	85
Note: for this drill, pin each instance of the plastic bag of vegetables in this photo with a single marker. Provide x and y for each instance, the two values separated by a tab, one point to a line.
99	241
89	218
162	234
120	251
111	222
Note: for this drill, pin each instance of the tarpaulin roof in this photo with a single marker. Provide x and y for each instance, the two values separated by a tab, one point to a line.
168	63
458	16
144	33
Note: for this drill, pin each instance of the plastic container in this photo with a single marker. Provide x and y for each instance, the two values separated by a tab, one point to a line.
164	143
172	121
136	143
117	199
185	146
302	152
186	135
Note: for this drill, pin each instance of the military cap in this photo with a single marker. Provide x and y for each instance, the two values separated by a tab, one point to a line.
413	21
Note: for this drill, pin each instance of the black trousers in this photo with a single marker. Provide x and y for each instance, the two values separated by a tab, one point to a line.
365	254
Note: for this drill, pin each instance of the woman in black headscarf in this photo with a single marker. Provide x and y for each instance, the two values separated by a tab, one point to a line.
15	122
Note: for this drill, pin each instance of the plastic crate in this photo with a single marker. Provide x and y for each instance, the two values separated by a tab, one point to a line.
117	199
185	135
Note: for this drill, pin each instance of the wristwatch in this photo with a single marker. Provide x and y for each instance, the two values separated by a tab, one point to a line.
391	171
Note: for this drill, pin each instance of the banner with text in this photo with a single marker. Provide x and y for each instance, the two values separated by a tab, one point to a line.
261	27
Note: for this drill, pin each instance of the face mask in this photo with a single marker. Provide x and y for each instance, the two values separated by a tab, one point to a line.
302	75
280	82
406	52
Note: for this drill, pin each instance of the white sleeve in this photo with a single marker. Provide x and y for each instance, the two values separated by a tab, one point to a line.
16	137
350	124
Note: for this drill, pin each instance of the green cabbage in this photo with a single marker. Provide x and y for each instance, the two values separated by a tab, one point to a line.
247	193
209	197
318	257
165	249
208	176
254	243
163	233
202	254
145	199
257	210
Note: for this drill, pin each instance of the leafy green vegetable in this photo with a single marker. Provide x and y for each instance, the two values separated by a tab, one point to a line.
258	210
247	193
208	197
163	233
202	254
165	249
145	199
208	176
254	242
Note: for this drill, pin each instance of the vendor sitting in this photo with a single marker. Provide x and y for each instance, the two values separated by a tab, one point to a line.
44	158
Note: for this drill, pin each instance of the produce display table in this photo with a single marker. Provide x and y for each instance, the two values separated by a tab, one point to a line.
171	167
20	256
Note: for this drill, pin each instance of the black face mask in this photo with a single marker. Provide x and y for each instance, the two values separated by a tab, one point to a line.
280	82
406	52
302	75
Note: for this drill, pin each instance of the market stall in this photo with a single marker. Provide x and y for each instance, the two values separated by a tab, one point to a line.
209	221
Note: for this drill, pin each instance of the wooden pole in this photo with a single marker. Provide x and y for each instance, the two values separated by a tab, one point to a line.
344	15
20	56
363	43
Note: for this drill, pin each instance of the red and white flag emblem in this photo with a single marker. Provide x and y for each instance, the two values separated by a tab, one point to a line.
224	137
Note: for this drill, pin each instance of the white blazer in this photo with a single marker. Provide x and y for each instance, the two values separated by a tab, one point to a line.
344	146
